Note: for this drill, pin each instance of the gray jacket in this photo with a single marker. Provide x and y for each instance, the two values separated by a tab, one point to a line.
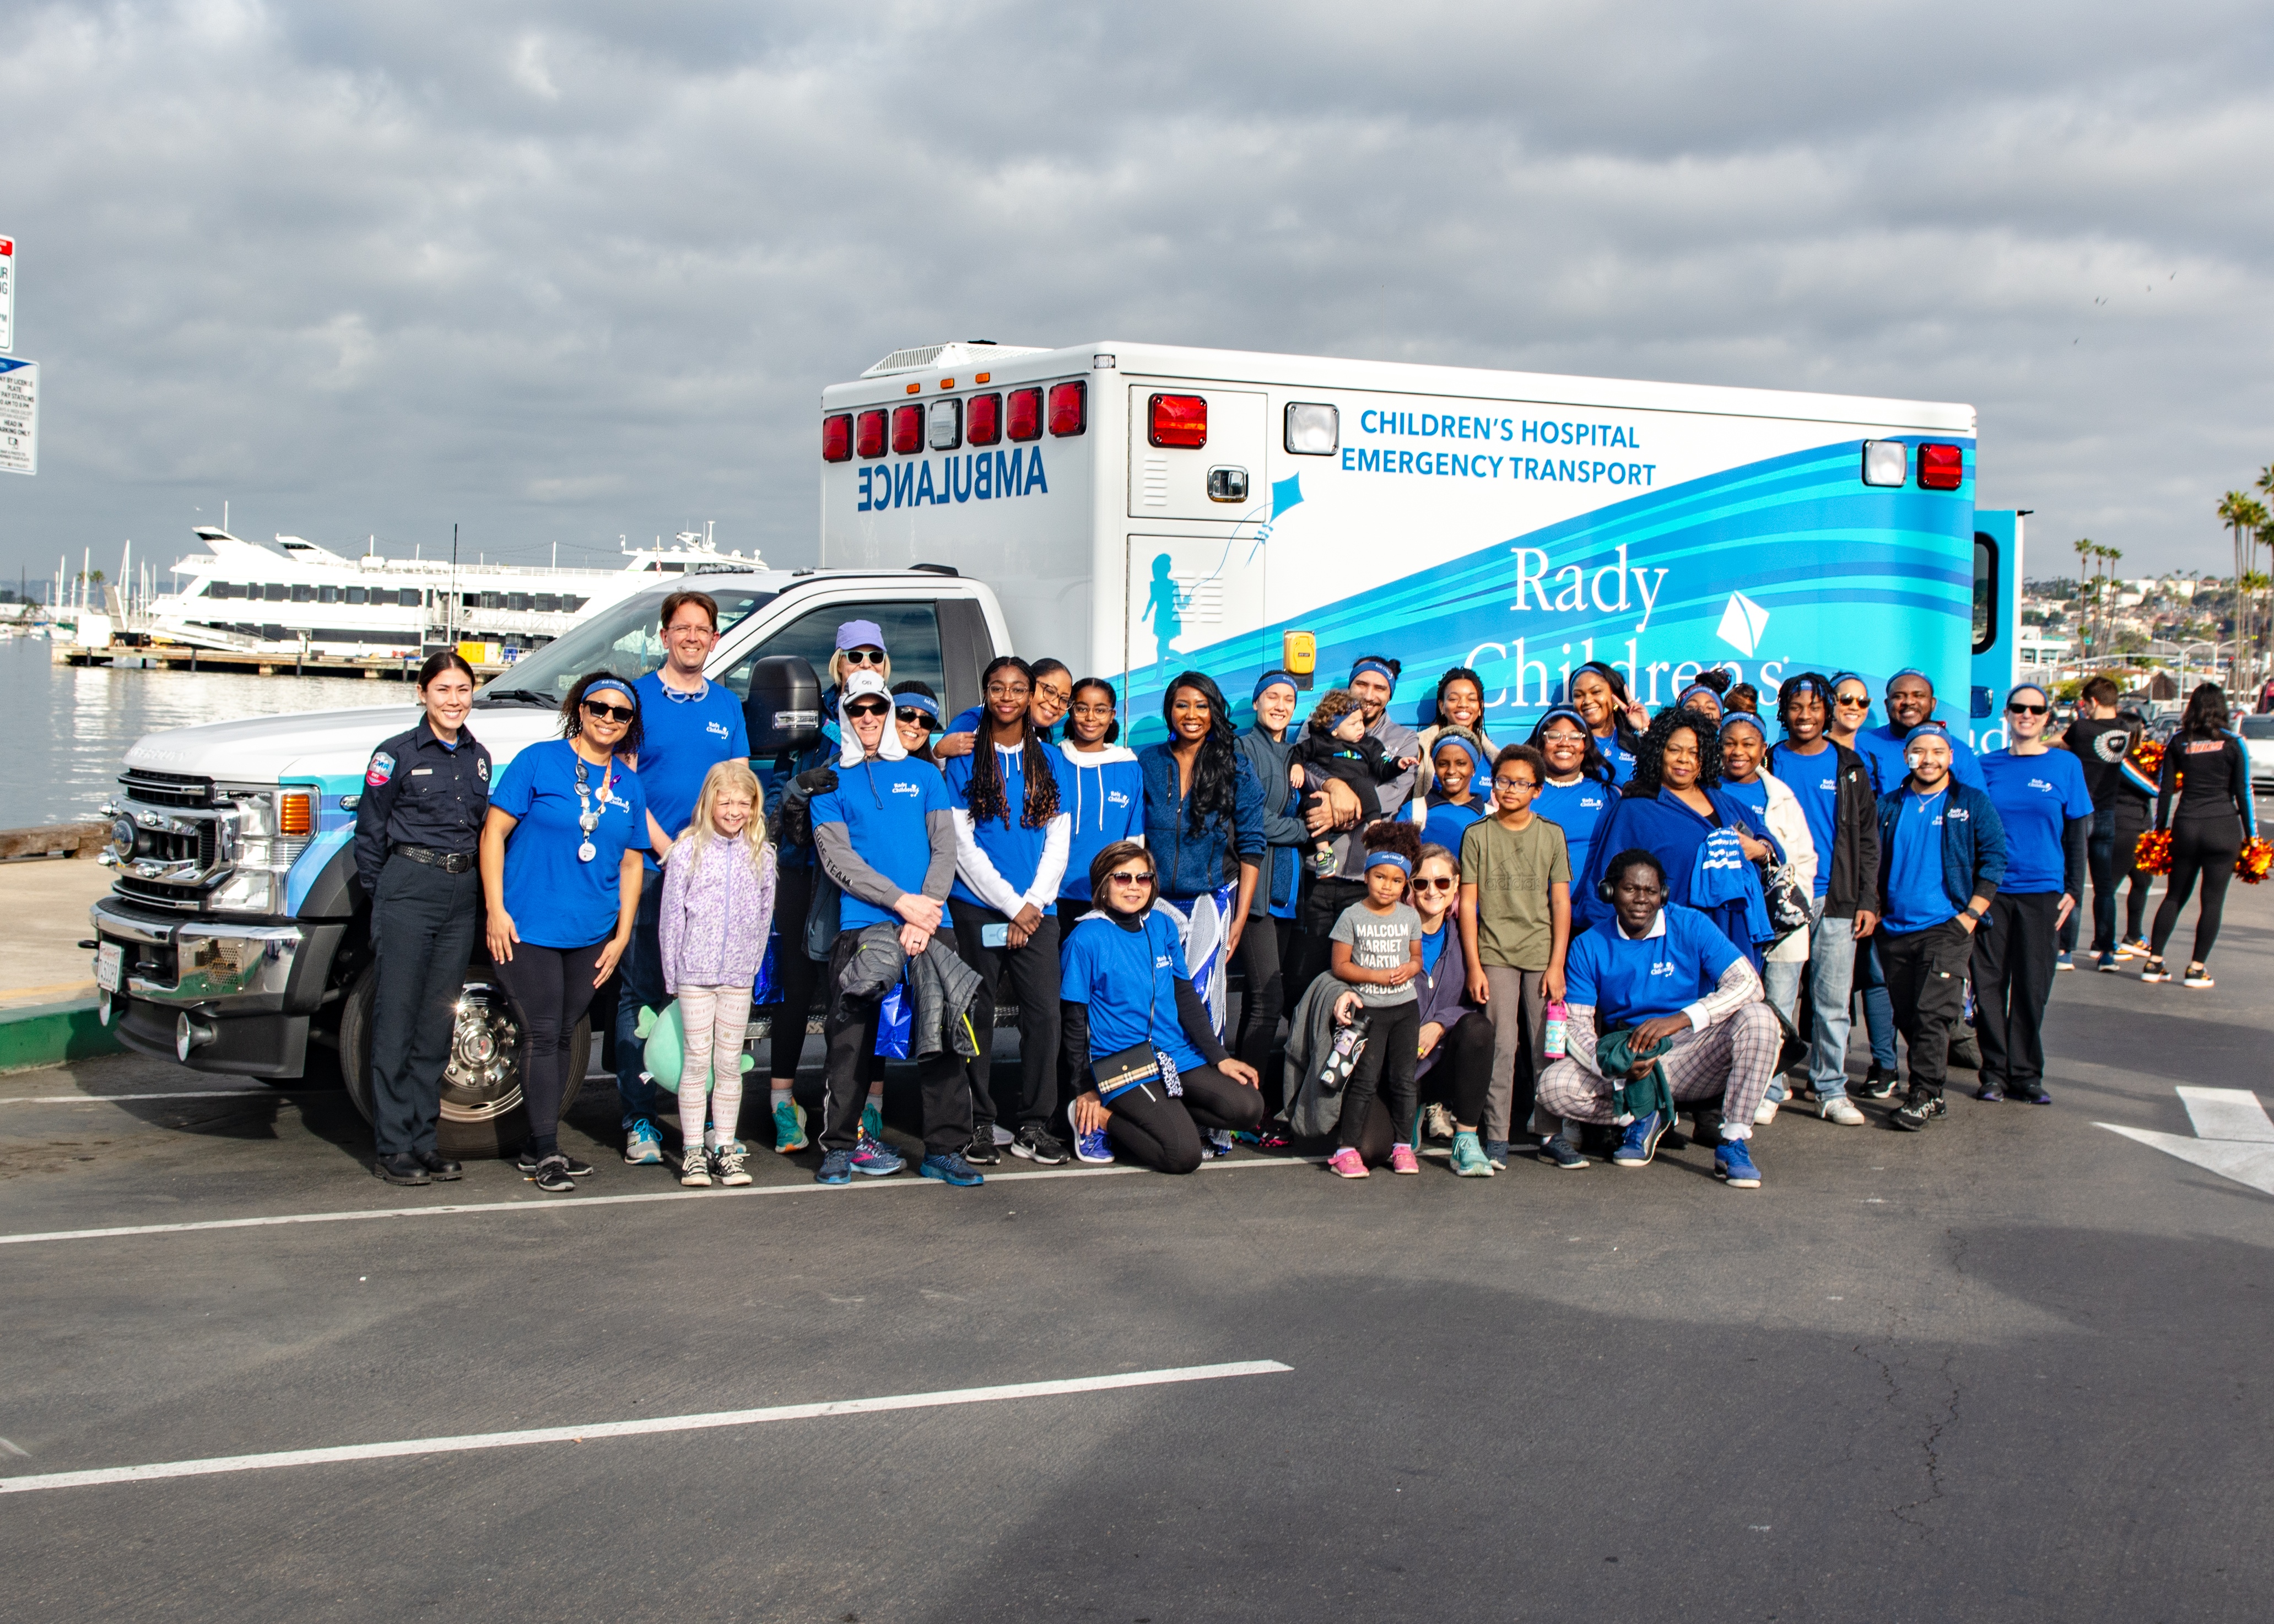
1314	1107
942	985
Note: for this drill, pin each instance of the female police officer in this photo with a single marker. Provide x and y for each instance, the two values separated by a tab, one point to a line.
425	796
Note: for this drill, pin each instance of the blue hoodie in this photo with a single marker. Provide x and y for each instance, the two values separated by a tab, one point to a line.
1108	804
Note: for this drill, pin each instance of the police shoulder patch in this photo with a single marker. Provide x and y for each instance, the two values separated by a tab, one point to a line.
381	769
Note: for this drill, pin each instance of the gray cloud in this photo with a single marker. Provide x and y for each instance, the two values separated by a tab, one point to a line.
562	274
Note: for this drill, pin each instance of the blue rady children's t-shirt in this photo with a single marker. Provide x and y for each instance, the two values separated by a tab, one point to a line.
1814	781
1576	808
1015	850
682	736
1629	982
1915	899
2035	795
556	900
1446	822
1108	791
884	806
1126	977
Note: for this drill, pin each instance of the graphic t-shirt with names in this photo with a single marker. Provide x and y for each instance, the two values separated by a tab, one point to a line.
1378	942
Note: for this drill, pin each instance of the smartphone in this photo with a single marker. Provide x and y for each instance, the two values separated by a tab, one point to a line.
995	935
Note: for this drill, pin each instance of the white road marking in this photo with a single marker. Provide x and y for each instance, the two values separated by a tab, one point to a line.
183	1094
542	1204
34	1482
2234	1136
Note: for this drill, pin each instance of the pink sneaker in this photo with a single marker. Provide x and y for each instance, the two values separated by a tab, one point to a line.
1401	1160
1346	1162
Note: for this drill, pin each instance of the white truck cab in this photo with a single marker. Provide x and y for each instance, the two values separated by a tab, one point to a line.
236	933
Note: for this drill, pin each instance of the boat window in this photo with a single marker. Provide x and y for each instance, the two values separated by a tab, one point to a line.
359	595
625	637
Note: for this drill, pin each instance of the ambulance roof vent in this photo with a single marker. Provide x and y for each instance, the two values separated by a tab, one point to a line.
956	353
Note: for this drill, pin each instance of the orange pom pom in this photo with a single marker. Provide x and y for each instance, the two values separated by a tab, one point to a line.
2252	862
2153	854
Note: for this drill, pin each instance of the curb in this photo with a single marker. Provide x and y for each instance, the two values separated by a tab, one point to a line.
46	1034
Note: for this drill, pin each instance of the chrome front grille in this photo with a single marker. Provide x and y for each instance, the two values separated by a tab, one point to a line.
167	789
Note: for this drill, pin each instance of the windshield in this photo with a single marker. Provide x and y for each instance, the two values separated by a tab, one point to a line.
625	638
2258	726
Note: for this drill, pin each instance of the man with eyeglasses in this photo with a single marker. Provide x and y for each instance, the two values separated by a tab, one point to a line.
1834	787
688	725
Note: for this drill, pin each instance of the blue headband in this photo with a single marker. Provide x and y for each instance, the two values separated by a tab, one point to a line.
1681	699
2032	687
1749	720
630	698
917	701
1552	712
1374	860
1930	726
1387	676
1272	679
1459	742
1909	671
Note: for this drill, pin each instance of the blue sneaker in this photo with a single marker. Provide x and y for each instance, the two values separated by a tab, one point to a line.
1496	1153
951	1168
1641	1141
2064	961
789	1127
1469	1159
643	1145
2106	962
877	1158
1561	1153
872	1123
1093	1147
1216	1142
836	1168
1732	1164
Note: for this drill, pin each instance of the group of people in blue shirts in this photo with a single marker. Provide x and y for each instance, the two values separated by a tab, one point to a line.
1719	895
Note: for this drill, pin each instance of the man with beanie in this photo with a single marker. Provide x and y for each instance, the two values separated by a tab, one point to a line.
1373	681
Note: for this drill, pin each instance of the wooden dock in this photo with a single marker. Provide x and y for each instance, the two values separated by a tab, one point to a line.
181	657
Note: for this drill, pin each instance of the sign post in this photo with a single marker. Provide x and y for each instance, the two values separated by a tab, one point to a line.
19	416
7	293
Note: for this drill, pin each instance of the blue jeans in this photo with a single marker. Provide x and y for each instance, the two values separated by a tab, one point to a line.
2100	862
1831	967
639	974
1878	1006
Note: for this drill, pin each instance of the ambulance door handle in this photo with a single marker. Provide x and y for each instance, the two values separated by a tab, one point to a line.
1227	485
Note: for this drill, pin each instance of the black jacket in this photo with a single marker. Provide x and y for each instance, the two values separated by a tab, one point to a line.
418	791
1852	862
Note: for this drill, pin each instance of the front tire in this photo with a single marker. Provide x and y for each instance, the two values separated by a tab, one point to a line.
482	1115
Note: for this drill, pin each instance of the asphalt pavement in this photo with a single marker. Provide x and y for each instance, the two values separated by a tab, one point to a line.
2008	1369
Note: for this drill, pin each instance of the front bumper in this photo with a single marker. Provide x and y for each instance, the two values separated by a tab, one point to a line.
217	995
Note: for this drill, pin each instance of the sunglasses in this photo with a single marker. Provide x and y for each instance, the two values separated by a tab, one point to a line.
914	715
871	707
863	657
2027	710
1129	876
1440	883
614	713
1861	701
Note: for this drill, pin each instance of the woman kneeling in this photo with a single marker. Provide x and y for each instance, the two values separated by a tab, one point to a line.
1133	1025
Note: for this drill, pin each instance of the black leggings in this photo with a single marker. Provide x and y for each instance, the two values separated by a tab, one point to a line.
1457	1081
1385	1068
1162	1133
552	987
2205	847
1265	948
796	975
2130	825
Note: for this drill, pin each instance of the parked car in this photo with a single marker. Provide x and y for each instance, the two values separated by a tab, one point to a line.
2258	741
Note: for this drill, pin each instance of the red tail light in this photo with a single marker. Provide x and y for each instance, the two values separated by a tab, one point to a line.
837	438
983	419
1026	414
908	429
1940	468
1177	420
1069	407
869	435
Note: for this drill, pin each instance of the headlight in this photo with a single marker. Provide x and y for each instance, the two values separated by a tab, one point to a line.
272	826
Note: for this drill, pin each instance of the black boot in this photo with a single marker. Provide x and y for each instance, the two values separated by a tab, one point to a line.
402	1169
439	1166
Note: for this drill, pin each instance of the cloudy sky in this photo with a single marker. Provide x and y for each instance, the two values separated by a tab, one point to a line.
562	274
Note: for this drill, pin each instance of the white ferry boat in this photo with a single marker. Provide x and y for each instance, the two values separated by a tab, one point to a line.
301	597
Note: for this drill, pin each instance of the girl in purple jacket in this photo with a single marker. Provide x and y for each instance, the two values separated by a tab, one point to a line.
718	907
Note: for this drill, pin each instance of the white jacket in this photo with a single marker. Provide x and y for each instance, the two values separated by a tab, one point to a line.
1789	824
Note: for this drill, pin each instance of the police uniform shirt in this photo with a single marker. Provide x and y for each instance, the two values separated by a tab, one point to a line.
557	899
418	791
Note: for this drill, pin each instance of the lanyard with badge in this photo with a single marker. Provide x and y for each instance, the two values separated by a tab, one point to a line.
587	819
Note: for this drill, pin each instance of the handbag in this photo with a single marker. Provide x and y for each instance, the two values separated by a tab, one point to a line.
1124	1069
1789	905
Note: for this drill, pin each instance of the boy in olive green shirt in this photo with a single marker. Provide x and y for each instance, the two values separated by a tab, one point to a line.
1516	923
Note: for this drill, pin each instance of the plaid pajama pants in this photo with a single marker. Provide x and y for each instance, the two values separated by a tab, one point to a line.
1734	1058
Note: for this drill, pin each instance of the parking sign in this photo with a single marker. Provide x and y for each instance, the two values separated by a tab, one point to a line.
19	417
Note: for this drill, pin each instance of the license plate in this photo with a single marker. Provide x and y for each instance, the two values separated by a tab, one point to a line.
110	962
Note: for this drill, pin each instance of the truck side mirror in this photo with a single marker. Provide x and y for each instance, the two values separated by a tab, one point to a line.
783	712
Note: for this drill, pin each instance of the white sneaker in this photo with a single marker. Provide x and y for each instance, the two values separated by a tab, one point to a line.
1766	1114
1837	1109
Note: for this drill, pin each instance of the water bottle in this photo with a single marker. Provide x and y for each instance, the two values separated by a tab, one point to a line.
1553	1047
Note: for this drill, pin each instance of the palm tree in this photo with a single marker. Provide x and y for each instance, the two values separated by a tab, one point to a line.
2083	547
2232	508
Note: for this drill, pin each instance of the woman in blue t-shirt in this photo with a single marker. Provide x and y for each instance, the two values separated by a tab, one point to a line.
2041	797
560	873
1125	993
1599	693
1580	786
